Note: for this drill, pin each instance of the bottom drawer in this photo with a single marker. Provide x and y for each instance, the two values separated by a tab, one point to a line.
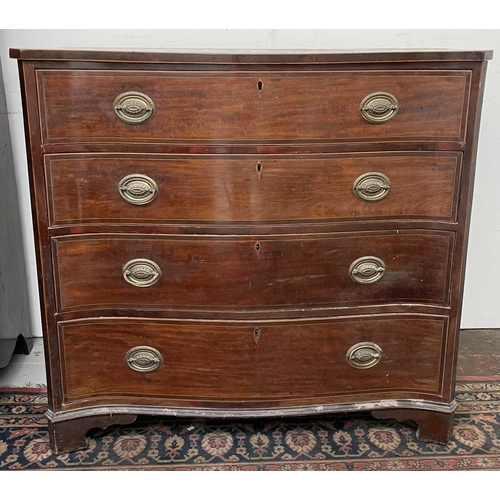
204	363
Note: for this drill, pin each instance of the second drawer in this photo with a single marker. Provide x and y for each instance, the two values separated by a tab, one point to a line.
158	272
101	188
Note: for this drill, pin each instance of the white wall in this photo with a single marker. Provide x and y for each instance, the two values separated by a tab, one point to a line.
482	288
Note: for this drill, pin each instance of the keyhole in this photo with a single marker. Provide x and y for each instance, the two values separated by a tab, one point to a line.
260	86
259	168
257	246
256	334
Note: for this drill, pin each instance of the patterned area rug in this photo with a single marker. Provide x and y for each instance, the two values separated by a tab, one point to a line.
337	443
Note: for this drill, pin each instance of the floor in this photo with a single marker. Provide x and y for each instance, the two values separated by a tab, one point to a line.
25	371
479	354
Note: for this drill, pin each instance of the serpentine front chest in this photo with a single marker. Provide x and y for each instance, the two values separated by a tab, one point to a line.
250	234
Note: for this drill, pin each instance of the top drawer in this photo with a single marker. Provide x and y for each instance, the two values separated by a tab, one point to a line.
226	107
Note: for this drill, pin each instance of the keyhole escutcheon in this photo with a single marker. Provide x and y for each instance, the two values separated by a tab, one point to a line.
258	169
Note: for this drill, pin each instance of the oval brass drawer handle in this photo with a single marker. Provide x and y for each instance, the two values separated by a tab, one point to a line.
372	186
134	107
141	272
379	107
138	189
143	358
367	269
364	355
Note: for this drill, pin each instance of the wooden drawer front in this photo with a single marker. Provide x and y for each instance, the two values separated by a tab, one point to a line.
85	188
226	362
250	272
79	106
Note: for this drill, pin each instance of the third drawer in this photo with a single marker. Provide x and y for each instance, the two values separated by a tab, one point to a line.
139	271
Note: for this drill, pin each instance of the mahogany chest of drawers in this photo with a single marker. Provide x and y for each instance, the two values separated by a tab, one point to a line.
250	235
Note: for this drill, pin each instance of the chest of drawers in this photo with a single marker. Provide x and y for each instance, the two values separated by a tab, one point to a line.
250	235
